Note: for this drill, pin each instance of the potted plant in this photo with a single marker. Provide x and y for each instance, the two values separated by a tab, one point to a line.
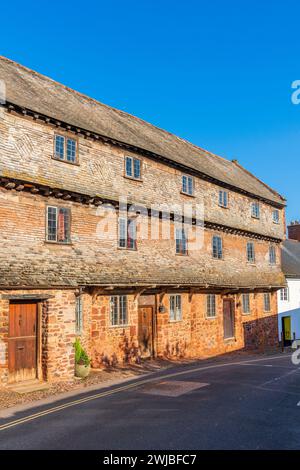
82	361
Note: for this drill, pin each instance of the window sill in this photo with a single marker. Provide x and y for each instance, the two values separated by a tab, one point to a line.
181	254
223	207
246	314
175	321
218	259
47	242
211	318
187	194
119	326
139	180
229	340
250	263
254	217
65	161
126	249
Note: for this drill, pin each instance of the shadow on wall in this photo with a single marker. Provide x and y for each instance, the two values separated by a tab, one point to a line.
259	335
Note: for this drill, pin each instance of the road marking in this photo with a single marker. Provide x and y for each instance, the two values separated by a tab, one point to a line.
70	404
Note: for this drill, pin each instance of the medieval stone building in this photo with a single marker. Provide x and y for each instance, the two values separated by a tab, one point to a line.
94	242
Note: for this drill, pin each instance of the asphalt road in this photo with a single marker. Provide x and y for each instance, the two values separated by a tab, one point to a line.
250	405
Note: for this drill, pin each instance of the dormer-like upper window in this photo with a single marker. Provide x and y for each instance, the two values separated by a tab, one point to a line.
187	185
255	210
65	148
133	168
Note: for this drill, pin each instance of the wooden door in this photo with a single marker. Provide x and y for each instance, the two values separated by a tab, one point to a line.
22	341
145	331
228	318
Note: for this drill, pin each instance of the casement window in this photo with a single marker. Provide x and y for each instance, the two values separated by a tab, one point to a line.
133	168
250	252
187	185
65	148
267	302
175	308
181	241
255	210
58	225
118	310
284	294
275	215
211	305
246	303
127	233
223	199
217	247
272	254
79	315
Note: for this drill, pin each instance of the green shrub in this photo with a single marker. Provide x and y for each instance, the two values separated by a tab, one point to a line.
81	356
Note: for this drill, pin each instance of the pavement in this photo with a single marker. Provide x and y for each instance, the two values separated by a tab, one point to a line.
248	403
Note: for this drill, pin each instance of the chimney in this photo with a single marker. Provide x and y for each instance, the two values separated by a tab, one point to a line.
294	230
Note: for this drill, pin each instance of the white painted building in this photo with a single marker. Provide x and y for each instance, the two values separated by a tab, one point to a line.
289	298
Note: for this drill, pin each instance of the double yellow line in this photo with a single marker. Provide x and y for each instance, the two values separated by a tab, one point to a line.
49	411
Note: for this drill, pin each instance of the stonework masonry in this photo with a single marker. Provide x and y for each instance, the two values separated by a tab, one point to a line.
92	266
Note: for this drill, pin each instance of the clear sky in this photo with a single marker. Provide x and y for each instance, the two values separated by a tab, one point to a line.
217	73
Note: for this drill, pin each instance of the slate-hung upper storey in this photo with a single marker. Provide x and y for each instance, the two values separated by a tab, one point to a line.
69	145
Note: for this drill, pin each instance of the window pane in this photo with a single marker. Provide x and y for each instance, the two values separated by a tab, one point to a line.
128	166
250	252
272	255
131	236
172	307
246	303
52	225
184	184
137	168
276	216
79	315
63	225
123	310
178	314
59	147
114	310
71	150
211	305
190	185
217	247
267	303
255	210
122	233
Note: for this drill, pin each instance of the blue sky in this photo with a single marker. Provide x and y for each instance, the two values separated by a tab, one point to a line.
216	73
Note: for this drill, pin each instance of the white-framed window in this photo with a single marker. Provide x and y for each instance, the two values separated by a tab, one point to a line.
118	310
267	302
58	224
246	303
275	215
181	241
187	185
133	167
65	148
255	210
217	247
250	252
127	233
272	254
223	198
284	294
175	308
79	315
210	305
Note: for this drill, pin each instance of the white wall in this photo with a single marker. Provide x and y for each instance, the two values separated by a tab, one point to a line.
290	307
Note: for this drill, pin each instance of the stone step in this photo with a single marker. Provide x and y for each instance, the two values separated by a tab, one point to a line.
29	386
